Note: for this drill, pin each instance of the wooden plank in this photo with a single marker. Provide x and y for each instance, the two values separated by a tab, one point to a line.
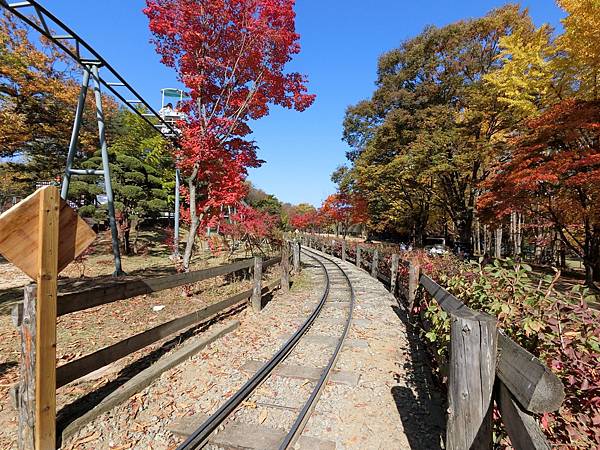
413	284
271	262
25	394
375	264
256	287
94	361
403	291
447	301
20	232
472	371
146	377
385	279
45	338
285	266
531	382
522	428
325	339
240	436
296	247
90	298
305	372
343	250
394	274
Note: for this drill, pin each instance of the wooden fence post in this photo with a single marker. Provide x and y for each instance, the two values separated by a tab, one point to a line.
413	284
285	266
394	273
323	247
45	338
296	246
25	394
358	256
257	286
343	250
472	370
375	263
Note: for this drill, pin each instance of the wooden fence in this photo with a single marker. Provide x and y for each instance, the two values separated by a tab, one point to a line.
25	318
485	366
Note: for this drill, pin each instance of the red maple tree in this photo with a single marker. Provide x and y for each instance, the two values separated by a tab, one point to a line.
231	56
251	227
553	175
343	210
310	220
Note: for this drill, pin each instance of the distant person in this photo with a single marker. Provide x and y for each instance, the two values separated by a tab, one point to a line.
166	110
179	110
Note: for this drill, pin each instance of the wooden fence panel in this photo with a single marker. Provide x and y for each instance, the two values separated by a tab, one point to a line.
89	298
94	361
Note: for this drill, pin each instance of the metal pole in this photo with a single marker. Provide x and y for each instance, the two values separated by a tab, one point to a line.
176	231
75	133
105	166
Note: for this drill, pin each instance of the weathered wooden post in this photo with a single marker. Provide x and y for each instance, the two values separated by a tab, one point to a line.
285	266
414	272
375	263
25	393
323	247
296	246
343	250
472	370
358	256
394	273
257	286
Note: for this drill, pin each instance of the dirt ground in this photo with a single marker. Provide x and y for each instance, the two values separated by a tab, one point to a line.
86	331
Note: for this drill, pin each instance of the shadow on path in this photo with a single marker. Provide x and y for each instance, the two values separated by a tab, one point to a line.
419	402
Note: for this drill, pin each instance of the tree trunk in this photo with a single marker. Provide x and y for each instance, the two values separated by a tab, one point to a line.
498	249
126	241
194	221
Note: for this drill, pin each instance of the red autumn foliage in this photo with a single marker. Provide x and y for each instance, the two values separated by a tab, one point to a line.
231	56
344	209
310	220
553	175
250	226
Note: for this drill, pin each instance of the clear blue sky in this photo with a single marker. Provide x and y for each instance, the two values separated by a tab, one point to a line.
341	40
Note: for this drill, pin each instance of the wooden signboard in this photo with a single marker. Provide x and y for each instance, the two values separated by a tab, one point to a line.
20	239
41	235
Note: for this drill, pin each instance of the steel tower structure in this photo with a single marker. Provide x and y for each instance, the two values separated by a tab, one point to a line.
102	74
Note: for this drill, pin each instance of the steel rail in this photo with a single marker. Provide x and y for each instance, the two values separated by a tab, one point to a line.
310	404
200	436
75	53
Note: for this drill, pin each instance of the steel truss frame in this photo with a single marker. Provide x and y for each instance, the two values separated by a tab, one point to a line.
91	62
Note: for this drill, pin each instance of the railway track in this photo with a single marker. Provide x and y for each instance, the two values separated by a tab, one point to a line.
338	289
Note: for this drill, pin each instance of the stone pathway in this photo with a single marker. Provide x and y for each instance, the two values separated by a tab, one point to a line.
382	397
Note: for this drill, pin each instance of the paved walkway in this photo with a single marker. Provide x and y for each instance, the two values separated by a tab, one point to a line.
381	398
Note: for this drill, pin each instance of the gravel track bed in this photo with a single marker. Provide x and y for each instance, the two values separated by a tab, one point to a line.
202	383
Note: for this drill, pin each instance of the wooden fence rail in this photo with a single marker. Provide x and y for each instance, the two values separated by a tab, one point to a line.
485	367
26	315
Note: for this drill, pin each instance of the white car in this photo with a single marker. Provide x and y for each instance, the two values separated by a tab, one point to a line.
436	250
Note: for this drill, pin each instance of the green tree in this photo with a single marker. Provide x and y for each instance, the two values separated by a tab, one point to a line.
142	174
433	126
